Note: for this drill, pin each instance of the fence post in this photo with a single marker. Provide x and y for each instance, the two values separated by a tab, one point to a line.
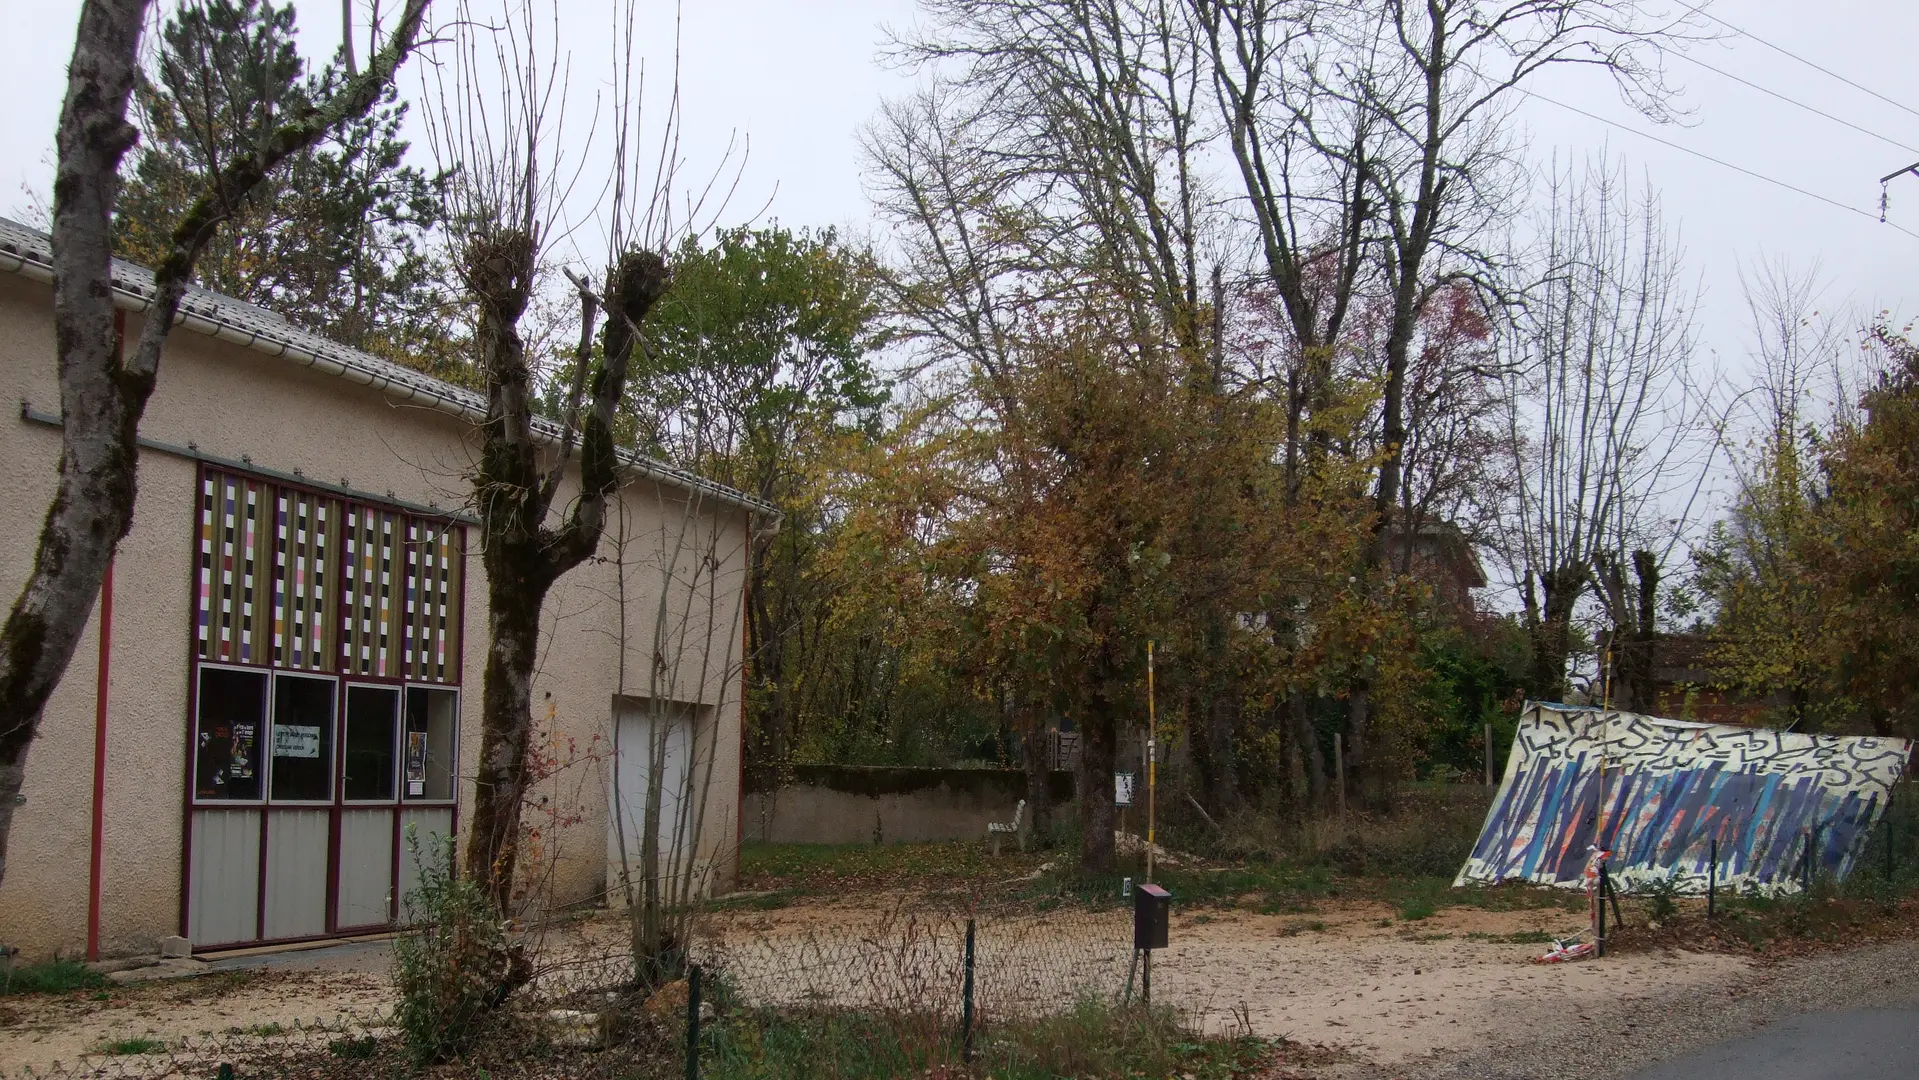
693	1023
1600	942
1888	843
1489	755
226	1071
1712	878
1339	774
1146	979
966	1007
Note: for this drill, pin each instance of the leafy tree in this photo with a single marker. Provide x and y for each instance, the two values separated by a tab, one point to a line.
1868	554
341	240
760	375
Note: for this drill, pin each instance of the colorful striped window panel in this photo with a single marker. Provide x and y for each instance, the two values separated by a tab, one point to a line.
303	589
435	560
368	644
233	610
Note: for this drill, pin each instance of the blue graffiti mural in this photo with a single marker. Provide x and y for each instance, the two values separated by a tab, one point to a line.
1659	794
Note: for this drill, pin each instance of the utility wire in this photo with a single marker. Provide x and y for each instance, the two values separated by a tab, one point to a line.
1795	56
1716	161
1791	101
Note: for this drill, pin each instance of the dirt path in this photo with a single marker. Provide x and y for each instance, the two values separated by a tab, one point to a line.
1391	993
39	1030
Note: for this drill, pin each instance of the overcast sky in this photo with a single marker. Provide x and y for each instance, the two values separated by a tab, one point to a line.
797	79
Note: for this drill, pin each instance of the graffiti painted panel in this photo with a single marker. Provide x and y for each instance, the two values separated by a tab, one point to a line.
1658	793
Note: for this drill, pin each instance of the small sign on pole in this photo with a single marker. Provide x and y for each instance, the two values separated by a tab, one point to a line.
1123	785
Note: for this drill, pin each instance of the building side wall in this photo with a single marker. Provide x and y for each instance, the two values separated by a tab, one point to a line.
236	403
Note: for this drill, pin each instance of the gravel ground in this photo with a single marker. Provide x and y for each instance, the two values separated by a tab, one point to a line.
1618	1039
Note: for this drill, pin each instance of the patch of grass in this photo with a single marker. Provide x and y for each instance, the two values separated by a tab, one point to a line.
1093	1040
216	985
1414	908
794	871
1305	926
52	977
262	1031
354	1049
769	900
138	1044
1426	938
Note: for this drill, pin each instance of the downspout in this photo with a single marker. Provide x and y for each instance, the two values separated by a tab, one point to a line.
96	873
746	615
96	864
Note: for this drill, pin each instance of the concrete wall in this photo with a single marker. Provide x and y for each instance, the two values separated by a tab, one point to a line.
849	804
239	403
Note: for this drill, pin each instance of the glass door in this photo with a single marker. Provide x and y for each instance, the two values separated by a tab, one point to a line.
369	781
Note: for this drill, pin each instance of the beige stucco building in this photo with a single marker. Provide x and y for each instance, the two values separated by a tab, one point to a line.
290	684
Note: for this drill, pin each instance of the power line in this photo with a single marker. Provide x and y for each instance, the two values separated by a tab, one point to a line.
1716	161
1791	101
1795	56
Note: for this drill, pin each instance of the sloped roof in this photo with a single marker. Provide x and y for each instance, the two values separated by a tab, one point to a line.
29	252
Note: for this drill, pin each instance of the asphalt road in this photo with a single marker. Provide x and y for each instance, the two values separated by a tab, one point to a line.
1853	1044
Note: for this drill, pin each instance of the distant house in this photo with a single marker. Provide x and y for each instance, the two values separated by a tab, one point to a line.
1684	679
290	688
1443	558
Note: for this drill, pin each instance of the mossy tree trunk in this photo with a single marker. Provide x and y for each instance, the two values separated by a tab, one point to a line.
103	393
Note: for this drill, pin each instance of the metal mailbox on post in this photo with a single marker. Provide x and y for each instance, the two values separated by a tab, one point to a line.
1152	905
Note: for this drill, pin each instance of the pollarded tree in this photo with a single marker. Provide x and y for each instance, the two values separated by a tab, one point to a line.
1603	426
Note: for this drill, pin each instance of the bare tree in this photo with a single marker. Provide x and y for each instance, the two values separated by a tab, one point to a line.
1055	163
692	651
1770	615
1603	426
500	117
499	120
103	393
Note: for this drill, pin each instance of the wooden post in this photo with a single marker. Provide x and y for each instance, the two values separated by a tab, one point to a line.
1152	734
1339	774
1712	879
1489	755
1599	936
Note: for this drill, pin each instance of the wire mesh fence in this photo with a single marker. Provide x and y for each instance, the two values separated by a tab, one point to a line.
897	987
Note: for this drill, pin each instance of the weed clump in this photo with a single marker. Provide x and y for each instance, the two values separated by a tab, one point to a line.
56	976
451	966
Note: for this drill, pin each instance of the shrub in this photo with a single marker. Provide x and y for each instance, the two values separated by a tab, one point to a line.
1662	898
451	966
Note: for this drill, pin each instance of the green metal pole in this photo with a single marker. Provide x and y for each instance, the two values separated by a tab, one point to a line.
966	1006
693	1023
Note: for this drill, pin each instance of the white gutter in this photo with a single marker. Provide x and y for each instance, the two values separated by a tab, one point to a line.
29	253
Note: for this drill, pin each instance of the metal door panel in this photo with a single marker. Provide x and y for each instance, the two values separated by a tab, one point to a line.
366	866
297	873
223	905
633	770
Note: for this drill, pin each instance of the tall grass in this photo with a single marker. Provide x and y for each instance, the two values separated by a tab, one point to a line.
1093	1038
56	976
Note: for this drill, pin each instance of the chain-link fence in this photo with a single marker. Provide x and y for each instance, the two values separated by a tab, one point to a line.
920	985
